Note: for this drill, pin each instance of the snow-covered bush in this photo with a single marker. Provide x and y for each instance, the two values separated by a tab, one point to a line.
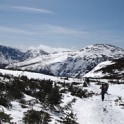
36	117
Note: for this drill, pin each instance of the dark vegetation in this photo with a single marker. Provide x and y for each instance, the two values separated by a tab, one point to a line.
36	117
43	90
114	70
110	80
47	93
69	118
5	118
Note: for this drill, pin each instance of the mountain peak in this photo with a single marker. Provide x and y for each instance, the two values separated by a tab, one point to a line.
102	47
33	53
9	55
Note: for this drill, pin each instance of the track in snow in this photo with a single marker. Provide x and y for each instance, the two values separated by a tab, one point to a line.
95	111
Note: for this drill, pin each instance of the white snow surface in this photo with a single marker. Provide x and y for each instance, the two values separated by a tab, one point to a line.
95	111
88	110
32	75
98	74
43	60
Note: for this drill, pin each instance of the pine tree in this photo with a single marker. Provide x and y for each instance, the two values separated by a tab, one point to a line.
55	96
70	118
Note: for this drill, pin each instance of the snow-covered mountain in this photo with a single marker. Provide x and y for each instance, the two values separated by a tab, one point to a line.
28	97
33	53
76	63
109	69
9	55
50	49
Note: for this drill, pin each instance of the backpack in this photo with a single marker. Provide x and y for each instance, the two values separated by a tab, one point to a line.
104	87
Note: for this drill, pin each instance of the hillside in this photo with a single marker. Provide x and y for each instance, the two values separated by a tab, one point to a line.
110	69
9	55
71	64
27	97
33	53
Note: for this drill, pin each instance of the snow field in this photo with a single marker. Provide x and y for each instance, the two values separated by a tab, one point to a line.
90	110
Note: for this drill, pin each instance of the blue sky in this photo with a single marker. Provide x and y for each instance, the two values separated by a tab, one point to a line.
61	23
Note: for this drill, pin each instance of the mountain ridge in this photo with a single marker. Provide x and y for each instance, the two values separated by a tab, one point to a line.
71	63
28	97
109	69
9	55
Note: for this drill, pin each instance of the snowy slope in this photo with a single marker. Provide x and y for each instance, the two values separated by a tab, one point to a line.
94	111
88	110
111	69
41	63
50	49
94	73
9	55
33	53
70	64
31	75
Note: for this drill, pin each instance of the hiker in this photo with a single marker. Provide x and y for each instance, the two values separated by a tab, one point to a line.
104	89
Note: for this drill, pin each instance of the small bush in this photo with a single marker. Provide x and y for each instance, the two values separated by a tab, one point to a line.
4	102
69	118
55	96
36	117
4	117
